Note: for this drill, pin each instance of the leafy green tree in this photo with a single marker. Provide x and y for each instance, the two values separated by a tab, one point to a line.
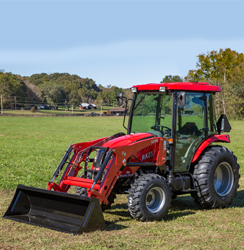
71	87
216	66
108	94
86	87
11	86
53	94
170	78
74	98
89	90
33	93
36	78
224	68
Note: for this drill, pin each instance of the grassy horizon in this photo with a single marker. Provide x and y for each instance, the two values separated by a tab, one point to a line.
60	111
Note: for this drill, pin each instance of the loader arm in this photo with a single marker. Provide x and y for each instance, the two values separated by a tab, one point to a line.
80	151
119	160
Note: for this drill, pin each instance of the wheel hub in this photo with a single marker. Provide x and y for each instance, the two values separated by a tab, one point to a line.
223	178
149	198
155	199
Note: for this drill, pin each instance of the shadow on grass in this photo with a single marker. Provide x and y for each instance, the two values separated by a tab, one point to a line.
111	226
119	213
238	201
180	207
187	202
183	203
174	216
124	213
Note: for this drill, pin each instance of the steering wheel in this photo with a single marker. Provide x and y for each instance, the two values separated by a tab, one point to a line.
162	128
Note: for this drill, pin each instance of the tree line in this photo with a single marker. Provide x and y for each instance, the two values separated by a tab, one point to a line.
224	68
54	89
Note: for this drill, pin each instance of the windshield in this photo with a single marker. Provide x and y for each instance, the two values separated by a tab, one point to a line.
152	113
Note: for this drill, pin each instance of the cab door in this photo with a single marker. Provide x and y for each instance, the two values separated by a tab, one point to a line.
190	128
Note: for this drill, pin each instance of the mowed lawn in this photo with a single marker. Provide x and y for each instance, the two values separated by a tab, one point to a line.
30	150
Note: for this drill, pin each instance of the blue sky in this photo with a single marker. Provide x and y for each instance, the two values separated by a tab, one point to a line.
119	43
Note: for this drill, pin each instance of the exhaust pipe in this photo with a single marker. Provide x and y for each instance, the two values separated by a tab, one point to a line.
55	210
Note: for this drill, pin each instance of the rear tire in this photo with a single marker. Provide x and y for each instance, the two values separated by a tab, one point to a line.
149	198
216	177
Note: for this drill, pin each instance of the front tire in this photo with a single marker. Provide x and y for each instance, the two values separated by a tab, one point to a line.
81	191
149	198
216	177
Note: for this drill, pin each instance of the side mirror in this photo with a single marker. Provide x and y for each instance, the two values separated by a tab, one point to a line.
182	99
223	124
119	98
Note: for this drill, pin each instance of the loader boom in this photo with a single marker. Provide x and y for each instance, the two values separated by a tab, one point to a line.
118	161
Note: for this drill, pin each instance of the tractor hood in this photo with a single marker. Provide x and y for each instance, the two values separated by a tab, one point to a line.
127	140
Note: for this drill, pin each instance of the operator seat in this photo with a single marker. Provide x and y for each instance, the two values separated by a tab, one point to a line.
187	144
190	128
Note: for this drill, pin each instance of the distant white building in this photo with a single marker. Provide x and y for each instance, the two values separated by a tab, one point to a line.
94	106
87	106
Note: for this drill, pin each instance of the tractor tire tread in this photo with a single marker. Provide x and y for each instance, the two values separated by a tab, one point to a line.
205	196
135	192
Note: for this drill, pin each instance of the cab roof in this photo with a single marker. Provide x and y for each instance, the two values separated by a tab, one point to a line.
187	86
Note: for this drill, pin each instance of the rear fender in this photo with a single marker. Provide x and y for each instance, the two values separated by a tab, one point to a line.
208	141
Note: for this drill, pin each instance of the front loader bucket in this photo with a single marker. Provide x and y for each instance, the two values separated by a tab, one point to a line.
56	210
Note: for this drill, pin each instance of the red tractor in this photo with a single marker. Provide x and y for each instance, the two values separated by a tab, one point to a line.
168	151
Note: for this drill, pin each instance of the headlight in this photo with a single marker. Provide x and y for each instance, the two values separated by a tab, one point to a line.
162	89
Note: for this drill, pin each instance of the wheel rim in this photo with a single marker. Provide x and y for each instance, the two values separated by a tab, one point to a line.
223	178
155	199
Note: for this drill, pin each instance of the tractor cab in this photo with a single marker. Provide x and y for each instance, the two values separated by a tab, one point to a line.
183	113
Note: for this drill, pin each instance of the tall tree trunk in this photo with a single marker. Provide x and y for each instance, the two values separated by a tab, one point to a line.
224	107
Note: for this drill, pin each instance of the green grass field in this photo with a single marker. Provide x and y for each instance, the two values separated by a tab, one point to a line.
30	150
